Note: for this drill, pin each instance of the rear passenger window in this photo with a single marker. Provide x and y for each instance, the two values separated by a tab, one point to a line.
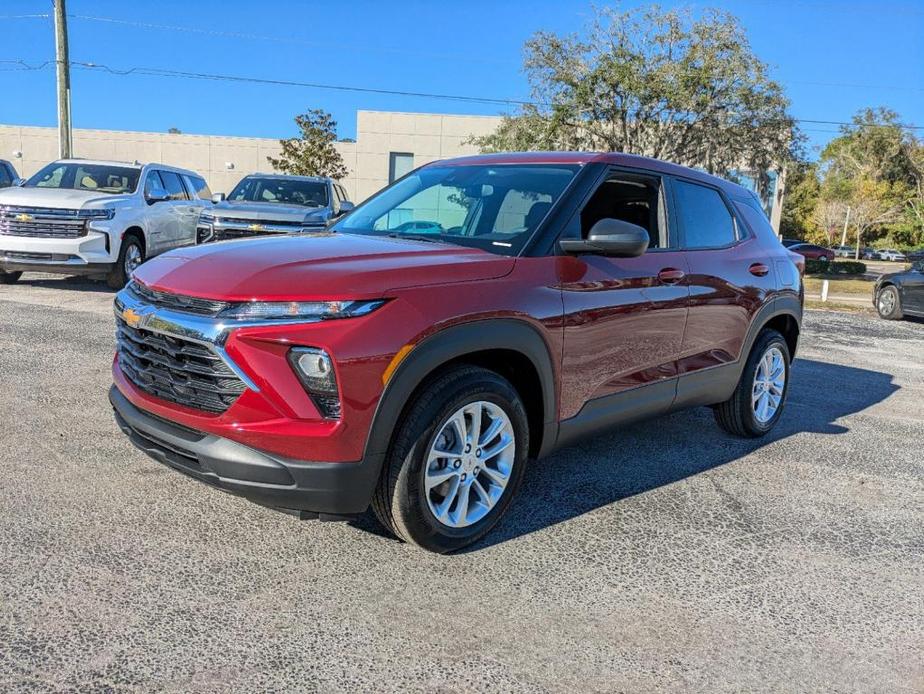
705	219
173	185
199	187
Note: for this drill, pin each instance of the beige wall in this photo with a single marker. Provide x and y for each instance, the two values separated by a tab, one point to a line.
378	133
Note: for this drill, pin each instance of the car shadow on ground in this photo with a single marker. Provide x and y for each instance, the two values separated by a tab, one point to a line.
638	458
66	283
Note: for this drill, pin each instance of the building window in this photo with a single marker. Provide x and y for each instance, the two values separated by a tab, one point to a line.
399	163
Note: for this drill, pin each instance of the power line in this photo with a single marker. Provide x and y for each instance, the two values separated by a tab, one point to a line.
163	72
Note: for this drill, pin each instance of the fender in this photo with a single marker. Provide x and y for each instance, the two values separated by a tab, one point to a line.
452	343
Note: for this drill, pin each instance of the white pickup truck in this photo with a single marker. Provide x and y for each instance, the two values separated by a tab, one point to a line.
82	217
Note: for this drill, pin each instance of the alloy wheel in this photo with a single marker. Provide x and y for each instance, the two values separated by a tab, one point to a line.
469	464
132	259
769	385
886	302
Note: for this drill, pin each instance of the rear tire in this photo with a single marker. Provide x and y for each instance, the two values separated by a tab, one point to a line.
9	277
889	303
420	493
131	255
757	403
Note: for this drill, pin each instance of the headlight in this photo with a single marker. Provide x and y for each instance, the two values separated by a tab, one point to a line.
206	218
314	219
315	370
308	310
107	213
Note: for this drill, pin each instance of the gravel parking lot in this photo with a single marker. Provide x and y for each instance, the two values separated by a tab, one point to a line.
665	555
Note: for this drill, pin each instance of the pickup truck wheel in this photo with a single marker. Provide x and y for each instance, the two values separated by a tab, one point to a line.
888	303
131	255
757	403
456	461
9	277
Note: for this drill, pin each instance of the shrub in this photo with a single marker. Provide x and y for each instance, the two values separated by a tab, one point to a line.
838	267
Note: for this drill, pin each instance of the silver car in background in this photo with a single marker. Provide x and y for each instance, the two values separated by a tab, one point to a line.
263	204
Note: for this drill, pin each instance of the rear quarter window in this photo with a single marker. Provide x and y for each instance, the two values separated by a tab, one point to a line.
755	218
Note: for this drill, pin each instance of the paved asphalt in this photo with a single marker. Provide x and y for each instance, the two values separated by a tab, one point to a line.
663	556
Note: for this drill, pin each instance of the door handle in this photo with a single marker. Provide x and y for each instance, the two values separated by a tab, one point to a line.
758	269
670	275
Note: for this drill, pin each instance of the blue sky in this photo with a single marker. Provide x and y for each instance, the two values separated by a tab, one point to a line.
832	58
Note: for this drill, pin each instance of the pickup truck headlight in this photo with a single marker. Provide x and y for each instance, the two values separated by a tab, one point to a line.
107	213
206	218
315	370
293	310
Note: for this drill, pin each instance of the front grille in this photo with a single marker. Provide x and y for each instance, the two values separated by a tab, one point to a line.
177	302
54	257
39	222
177	370
294	225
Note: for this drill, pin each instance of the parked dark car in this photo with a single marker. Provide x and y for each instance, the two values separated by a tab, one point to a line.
915	255
898	294
813	252
8	174
263	204
567	293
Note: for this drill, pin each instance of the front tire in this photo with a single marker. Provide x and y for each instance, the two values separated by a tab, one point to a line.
131	255
9	277
456	461
889	303
757	403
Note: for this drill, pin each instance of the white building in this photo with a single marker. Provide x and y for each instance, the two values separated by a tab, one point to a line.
387	146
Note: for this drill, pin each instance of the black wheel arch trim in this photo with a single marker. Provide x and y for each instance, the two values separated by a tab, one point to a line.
455	342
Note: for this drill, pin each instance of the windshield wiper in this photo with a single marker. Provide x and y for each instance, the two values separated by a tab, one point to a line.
417	237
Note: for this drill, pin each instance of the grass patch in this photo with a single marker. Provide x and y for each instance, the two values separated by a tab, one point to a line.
838	285
835	306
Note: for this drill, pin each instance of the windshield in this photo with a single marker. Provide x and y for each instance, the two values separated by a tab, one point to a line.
287	191
496	208
99	178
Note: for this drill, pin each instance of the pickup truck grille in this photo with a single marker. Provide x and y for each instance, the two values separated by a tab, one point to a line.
39	222
176	302
177	370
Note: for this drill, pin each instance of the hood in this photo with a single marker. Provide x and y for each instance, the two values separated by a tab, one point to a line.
316	267
60	198
263	211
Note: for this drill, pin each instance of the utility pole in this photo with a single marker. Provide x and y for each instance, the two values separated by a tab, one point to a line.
64	80
846	222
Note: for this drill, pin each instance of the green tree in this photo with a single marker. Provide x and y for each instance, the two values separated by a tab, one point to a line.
874	167
665	84
312	153
798	219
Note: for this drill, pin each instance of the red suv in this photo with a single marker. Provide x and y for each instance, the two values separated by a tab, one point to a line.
417	367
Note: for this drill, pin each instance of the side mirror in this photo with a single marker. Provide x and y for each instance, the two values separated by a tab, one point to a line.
19	182
218	197
611	237
346	206
156	194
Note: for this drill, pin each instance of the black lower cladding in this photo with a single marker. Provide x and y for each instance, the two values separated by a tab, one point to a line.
177	370
329	491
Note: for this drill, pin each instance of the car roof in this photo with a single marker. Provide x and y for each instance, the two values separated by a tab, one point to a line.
634	161
128	165
291	177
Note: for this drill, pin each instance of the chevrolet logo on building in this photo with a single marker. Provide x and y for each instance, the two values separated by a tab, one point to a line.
24	217
256	227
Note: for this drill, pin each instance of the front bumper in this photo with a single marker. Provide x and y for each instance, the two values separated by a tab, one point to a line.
85	255
329	491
